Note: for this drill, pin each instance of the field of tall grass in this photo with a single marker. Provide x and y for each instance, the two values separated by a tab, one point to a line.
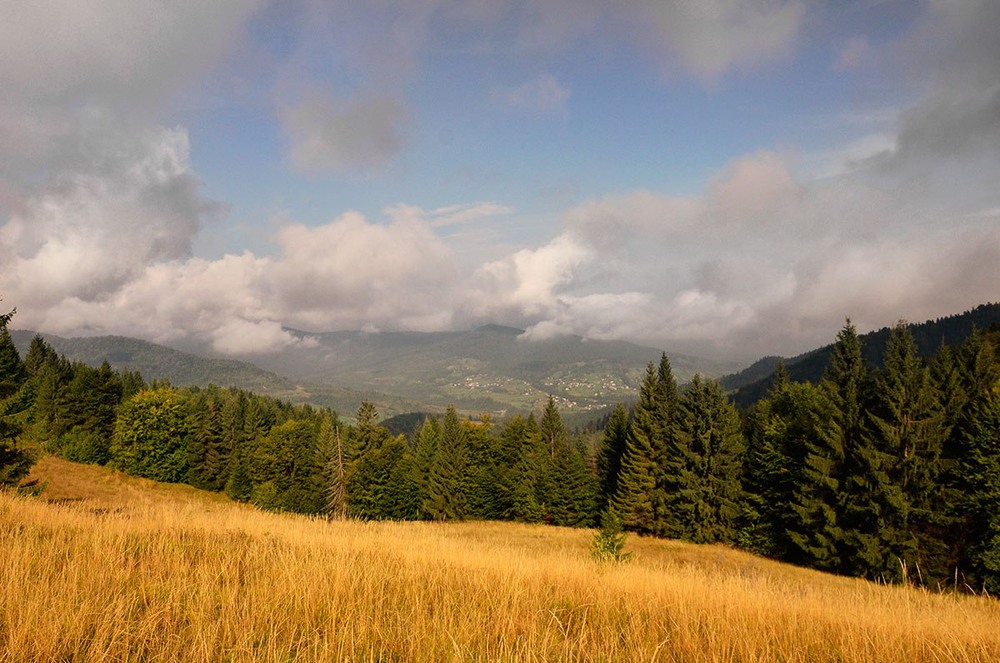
108	567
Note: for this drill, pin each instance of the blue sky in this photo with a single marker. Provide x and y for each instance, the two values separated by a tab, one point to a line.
724	178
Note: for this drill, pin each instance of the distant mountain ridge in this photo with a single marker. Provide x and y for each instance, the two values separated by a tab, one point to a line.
492	368
751	384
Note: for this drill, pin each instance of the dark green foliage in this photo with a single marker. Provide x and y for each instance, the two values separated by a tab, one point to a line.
12	371
95	395
781	431
428	441
829	500
704	467
381	482
15	400
446	486
979	510
208	448
287	458
151	435
487	472
239	485
972	452
520	446
566	490
901	449
610	454
640	469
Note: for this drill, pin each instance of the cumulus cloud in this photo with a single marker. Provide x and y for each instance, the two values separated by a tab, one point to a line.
344	136
759	263
89	232
689	274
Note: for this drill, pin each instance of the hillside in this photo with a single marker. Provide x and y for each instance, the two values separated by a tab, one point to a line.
156	362
491	369
750	384
109	567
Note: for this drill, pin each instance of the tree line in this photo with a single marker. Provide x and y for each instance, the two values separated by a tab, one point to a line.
891	474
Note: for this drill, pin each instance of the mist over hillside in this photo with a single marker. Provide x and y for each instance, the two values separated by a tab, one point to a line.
182	369
491	369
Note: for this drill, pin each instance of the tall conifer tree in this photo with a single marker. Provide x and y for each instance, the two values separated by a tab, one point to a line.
610	454
704	469
634	499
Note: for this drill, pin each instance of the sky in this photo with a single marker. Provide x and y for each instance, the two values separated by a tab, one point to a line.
724	178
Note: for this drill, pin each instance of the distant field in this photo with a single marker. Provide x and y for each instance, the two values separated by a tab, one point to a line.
107	567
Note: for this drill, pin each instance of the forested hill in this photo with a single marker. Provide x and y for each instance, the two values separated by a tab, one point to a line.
156	362
751	384
183	369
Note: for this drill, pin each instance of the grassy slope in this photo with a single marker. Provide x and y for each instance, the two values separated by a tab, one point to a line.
107	567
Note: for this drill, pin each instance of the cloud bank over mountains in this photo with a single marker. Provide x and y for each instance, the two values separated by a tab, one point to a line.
101	205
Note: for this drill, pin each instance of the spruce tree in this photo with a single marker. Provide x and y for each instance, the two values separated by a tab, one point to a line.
239	485
637	482
902	448
520	446
780	429
704	469
667	417
446	488
610	454
527	472
566	489
979	509
39	353
829	502
15	399
971	457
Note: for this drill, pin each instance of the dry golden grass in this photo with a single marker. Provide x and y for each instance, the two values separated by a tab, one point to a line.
107	567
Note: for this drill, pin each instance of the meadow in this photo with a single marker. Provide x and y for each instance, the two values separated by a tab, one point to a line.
103	566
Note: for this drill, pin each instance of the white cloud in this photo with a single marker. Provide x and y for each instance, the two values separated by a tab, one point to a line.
93	231
528	281
240	337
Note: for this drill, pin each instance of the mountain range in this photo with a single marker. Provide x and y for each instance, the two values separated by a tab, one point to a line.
491	369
